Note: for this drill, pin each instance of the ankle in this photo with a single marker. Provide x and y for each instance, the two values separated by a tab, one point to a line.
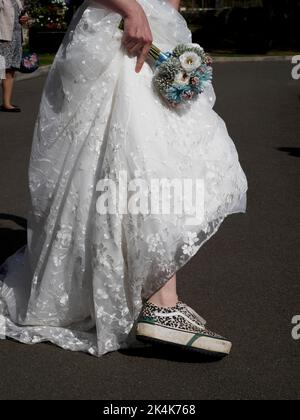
164	301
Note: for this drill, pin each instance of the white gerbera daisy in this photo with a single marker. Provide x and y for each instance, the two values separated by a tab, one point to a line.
190	61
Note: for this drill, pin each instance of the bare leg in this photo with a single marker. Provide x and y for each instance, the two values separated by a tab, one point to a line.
7	88
167	295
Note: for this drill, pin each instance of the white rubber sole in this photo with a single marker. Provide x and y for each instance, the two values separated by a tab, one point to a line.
210	345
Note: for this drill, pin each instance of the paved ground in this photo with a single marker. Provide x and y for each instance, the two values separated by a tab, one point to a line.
245	280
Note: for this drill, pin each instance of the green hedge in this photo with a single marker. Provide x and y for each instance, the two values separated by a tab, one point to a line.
246	30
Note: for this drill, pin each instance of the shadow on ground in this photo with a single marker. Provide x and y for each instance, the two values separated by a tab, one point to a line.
12	239
171	354
291	151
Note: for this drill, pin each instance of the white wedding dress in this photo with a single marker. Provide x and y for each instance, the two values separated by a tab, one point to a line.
81	279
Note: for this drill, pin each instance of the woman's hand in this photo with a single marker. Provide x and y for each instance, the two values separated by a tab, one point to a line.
24	20
137	38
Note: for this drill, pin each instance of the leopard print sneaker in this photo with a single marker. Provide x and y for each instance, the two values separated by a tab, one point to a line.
180	326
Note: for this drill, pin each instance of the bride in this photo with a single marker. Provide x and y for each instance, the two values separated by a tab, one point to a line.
92	271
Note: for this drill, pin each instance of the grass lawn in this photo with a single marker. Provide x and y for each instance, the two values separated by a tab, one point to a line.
46	59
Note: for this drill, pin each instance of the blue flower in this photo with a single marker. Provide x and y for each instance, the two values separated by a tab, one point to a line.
175	93
205	75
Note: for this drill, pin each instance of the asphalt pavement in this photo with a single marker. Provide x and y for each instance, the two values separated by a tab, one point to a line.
245	281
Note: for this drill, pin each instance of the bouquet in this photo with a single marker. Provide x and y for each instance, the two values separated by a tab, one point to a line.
29	63
182	74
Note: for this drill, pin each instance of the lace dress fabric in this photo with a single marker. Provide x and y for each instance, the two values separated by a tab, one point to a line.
81	280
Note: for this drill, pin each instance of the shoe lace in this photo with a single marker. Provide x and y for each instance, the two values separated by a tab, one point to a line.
201	320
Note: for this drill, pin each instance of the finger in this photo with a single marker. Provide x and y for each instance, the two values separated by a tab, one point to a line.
142	58
136	49
130	44
127	37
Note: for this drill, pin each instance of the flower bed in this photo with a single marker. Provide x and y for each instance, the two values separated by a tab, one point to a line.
47	14
48	24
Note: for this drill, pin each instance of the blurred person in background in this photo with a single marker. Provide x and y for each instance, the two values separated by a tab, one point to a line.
12	17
